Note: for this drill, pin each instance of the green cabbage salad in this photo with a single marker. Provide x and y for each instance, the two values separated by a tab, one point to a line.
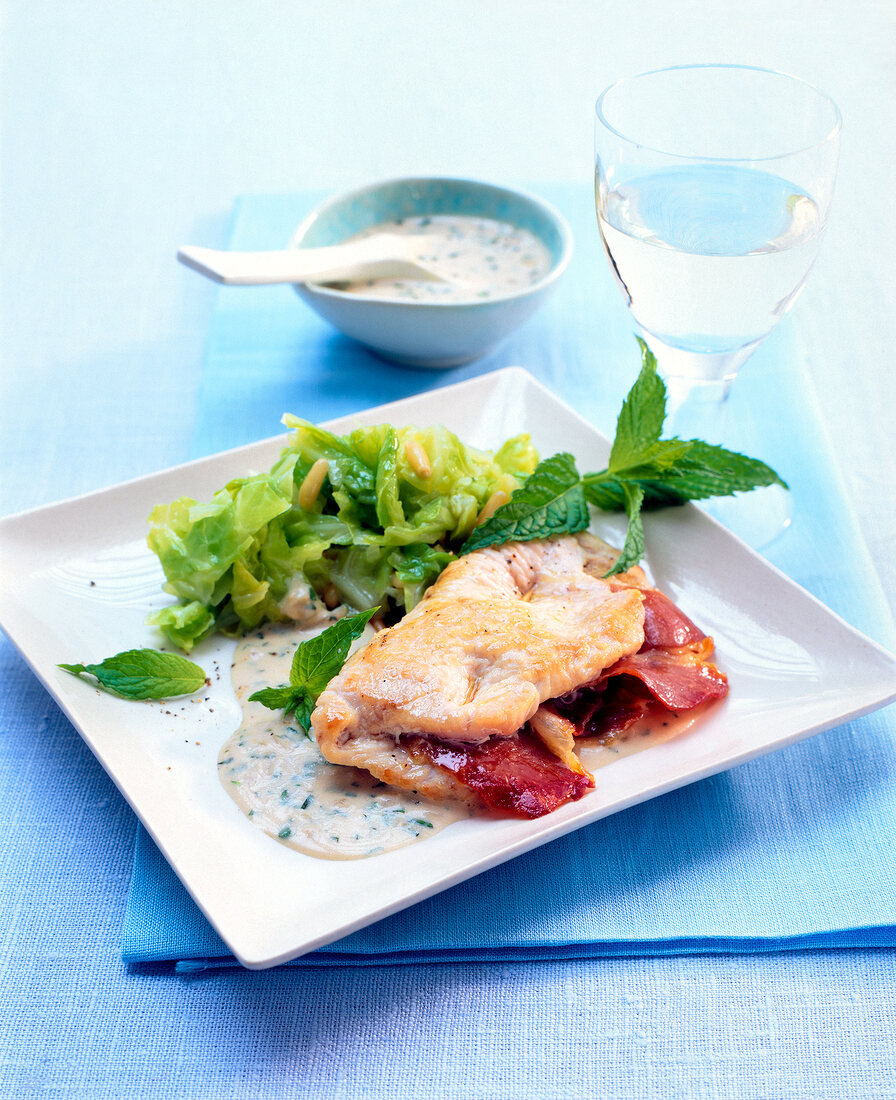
378	533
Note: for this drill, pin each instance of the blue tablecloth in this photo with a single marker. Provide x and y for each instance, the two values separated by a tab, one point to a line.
791	851
128	130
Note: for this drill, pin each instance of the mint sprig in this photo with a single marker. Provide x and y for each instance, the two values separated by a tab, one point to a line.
551	499
633	547
644	471
314	664
143	674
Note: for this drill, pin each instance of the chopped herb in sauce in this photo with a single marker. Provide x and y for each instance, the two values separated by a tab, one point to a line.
286	788
478	257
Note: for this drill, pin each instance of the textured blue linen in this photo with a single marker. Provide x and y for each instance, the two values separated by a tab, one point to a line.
791	851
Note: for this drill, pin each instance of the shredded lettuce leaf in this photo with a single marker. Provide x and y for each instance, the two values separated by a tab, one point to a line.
378	534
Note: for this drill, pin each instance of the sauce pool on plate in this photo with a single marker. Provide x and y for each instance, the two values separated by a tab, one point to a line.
479	258
276	775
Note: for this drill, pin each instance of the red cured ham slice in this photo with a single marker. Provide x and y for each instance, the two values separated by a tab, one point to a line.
665	625
674	679
609	709
519	775
513	775
680	681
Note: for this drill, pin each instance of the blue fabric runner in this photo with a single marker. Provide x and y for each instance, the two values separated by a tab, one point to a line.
790	851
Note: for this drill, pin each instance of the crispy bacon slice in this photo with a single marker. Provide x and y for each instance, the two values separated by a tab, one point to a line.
513	775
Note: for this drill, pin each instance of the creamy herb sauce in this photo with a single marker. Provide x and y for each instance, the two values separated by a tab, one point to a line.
652	729
278	778
479	257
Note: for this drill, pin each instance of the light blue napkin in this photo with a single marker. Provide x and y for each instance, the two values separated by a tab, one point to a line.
790	851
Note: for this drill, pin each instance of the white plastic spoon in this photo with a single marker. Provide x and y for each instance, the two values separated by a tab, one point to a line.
382	256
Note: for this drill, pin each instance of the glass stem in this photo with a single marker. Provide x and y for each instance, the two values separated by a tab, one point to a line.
697	388
697	409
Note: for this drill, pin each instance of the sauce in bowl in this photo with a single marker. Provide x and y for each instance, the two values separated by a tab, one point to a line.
480	259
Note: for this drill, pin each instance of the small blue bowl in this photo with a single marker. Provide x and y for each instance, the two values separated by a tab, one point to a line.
435	333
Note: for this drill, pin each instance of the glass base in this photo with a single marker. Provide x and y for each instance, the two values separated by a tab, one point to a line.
690	367
756	518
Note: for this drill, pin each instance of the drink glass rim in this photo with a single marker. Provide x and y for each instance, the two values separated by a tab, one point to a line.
832	132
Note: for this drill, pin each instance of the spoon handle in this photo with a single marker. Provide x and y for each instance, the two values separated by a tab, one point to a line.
379	257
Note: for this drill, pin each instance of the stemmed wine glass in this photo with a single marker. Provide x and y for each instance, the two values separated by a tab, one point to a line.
713	185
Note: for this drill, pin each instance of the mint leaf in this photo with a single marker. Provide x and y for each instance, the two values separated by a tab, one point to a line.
317	661
550	502
297	700
279	698
703	471
143	674
609	495
633	547
314	664
290	700
707	470
653	461
640	420
302	707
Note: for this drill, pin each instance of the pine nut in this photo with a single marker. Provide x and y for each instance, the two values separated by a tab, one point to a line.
312	484
418	458
491	506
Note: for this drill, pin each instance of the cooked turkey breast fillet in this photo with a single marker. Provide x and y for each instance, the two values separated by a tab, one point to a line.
501	631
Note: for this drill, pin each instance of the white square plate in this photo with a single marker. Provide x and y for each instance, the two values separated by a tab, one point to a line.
78	582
